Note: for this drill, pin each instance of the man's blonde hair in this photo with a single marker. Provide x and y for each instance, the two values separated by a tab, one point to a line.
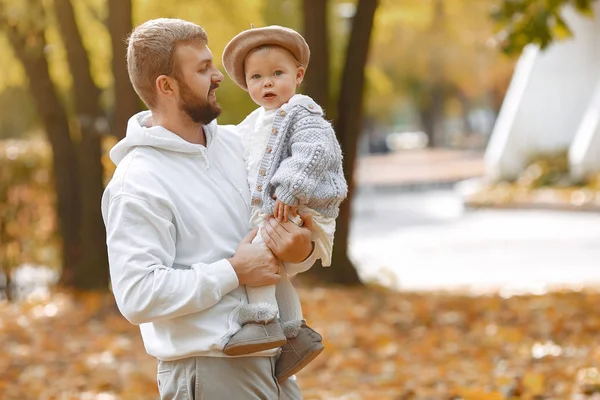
150	52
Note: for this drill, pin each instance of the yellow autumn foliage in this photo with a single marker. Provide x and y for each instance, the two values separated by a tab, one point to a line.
28	226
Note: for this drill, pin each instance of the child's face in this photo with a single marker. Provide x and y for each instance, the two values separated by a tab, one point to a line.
272	76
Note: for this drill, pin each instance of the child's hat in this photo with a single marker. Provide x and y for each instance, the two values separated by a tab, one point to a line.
238	48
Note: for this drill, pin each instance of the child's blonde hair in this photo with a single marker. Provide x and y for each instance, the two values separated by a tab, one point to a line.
150	52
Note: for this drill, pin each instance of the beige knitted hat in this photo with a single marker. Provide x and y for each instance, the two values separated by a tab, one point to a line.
238	48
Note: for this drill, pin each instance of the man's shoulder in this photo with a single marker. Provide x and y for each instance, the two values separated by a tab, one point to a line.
141	161
231	135
140	170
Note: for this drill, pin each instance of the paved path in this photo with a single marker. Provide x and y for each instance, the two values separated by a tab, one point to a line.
419	166
428	241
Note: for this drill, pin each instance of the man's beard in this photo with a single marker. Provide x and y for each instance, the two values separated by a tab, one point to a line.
199	111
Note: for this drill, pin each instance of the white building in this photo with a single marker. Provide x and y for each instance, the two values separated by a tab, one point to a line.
552	104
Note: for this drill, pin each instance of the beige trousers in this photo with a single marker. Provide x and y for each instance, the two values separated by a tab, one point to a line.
221	378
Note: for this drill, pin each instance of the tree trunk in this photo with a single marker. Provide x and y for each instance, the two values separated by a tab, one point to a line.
465	105
431	111
30	51
348	128
4	261
427	117
93	270
434	99
126	101
316	82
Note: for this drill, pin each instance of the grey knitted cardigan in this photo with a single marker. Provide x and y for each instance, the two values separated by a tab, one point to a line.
302	163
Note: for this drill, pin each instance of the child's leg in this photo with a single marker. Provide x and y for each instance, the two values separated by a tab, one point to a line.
304	344
290	309
262	302
260	328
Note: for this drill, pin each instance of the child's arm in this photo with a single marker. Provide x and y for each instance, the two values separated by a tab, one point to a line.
314	152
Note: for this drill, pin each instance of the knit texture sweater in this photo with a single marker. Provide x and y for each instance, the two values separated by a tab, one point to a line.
302	162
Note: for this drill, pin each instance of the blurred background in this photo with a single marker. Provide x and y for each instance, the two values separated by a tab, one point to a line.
466	257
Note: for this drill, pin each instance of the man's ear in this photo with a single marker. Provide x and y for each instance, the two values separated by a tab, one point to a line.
166	86
300	75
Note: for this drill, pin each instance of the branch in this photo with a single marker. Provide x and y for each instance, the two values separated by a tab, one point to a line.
524	22
86	92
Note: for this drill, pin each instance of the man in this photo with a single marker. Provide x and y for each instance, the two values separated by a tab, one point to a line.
176	215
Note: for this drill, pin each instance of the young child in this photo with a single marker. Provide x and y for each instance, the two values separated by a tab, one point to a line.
294	165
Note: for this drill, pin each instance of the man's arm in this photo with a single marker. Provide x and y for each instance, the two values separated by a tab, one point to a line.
141	250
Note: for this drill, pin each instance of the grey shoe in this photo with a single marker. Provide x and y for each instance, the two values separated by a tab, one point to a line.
254	337
298	352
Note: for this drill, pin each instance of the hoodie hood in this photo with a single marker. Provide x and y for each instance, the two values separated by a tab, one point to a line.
140	132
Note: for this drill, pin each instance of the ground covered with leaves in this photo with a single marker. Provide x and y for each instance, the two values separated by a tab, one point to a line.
379	345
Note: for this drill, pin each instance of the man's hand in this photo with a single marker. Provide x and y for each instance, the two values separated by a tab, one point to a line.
255	264
288	241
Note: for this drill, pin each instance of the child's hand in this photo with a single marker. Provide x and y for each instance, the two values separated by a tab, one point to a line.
283	211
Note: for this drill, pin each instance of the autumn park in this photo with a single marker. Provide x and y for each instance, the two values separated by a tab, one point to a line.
466	257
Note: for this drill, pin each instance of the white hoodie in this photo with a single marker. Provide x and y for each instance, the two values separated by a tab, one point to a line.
174	212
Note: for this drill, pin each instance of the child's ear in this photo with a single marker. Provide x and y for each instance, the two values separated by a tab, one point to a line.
300	75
